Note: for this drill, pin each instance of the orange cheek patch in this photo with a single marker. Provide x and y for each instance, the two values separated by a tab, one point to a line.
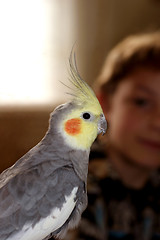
73	126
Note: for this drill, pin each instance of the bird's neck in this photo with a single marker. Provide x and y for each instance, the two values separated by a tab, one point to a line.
80	160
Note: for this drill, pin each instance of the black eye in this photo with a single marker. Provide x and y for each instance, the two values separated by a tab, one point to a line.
86	115
141	102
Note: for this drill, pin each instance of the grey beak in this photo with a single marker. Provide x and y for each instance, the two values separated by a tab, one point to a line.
102	125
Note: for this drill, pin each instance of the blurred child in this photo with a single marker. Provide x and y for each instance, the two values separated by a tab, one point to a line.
124	180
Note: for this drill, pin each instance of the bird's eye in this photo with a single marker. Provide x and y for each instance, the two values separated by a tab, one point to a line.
86	115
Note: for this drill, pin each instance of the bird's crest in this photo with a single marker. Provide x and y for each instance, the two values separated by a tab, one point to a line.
82	92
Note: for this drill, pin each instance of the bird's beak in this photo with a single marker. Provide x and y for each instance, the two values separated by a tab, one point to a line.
102	125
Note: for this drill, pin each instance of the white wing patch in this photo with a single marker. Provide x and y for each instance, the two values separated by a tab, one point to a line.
50	224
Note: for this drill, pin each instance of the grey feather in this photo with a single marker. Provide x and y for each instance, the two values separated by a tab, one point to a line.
40	180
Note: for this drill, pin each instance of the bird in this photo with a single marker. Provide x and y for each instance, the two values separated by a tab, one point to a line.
45	192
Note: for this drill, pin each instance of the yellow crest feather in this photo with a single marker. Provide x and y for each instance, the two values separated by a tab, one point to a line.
82	91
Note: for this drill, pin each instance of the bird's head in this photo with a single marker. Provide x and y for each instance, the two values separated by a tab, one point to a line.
85	119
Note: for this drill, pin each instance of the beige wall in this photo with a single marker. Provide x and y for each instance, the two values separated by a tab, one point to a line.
102	23
20	130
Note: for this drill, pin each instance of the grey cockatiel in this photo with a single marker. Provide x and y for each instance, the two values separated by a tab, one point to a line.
44	193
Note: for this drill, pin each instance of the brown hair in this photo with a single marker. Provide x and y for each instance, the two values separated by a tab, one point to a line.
138	50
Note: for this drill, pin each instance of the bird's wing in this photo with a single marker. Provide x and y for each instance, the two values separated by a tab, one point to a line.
30	200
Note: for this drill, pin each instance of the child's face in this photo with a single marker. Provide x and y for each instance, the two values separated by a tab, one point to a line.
133	114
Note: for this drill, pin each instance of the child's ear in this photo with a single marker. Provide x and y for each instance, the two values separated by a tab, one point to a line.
104	100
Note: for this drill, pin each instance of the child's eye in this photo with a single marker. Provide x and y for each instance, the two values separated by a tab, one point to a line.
141	102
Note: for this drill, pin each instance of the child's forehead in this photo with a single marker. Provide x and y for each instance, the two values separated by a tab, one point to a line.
143	79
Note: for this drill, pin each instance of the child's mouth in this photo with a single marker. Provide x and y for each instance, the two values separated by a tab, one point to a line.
150	143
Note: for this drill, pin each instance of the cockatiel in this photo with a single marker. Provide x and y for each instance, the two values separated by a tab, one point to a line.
44	193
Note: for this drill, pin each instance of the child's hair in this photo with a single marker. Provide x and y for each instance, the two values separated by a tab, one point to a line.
134	51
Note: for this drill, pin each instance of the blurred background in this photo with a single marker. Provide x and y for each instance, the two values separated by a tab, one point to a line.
36	38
